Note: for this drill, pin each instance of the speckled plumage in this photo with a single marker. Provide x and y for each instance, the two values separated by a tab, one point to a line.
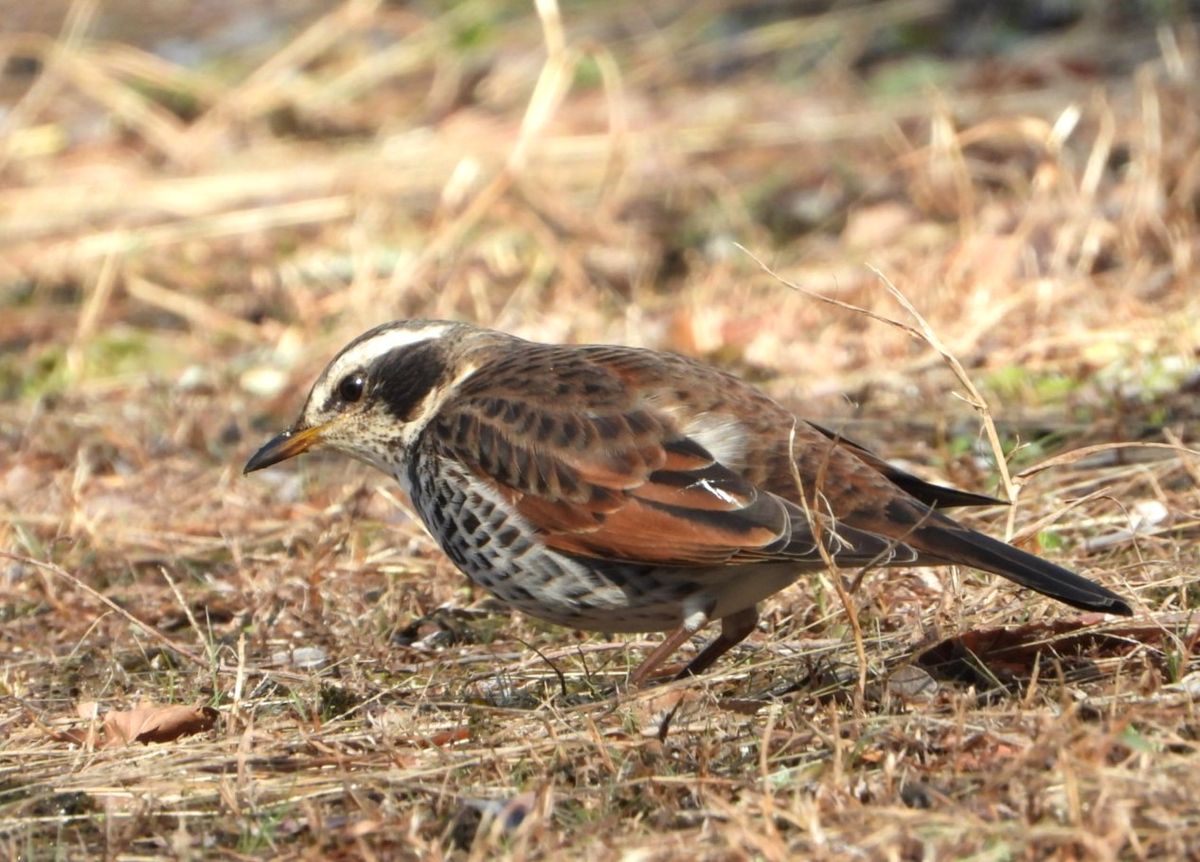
627	490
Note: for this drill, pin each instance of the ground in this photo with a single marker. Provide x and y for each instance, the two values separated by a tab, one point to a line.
200	207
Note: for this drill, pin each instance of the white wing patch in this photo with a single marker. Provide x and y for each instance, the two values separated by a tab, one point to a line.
723	436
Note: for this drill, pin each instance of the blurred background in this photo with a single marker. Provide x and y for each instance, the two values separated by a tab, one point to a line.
201	202
225	192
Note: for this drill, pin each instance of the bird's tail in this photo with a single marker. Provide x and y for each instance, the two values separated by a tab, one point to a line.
957	544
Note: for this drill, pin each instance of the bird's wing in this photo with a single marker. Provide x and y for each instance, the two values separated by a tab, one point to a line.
611	476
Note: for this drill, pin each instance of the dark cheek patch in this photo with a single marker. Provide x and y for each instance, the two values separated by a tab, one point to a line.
403	378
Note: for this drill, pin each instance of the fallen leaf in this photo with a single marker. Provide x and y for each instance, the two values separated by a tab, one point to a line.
156	723
912	684
1012	652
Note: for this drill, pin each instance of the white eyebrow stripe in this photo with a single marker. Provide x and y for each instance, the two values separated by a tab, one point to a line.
360	355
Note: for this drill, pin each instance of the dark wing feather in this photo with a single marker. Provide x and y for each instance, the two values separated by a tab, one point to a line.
938	496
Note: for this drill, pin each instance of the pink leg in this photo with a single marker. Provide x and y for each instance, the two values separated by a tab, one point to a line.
734	629
660	654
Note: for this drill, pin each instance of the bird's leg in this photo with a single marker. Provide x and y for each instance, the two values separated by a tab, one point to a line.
659	654
734	629
694	621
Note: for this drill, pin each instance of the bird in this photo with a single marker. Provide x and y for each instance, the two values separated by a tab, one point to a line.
621	489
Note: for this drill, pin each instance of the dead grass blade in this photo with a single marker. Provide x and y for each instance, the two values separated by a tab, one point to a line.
1075	455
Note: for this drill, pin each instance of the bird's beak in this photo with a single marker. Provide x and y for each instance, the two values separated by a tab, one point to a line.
287	445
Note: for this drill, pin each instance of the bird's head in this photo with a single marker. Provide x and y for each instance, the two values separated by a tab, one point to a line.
374	397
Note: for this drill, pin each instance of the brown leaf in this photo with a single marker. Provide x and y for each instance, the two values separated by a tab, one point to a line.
83	738
912	684
1012	652
155	723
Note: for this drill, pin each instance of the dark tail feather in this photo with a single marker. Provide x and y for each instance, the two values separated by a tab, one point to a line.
960	545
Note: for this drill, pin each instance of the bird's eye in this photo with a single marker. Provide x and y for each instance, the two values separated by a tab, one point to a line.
351	388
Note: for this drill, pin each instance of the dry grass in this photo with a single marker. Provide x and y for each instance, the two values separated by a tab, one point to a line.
182	246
